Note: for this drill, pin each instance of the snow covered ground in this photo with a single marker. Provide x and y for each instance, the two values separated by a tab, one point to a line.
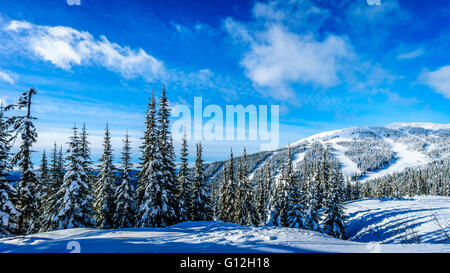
410	220
370	222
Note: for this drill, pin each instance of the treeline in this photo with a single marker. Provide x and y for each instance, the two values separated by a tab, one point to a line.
67	194
369	154
432	179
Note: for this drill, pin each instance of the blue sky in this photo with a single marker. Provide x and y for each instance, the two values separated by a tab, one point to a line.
328	65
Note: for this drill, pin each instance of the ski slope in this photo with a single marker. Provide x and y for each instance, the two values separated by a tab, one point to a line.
404	156
371	222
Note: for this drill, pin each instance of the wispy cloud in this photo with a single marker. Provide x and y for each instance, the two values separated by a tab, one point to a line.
410	55
66	47
8	76
438	80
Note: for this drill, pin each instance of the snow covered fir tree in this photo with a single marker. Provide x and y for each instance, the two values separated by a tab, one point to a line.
125	196
8	212
72	202
105	186
301	186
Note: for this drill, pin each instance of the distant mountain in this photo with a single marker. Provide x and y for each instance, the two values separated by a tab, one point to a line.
364	153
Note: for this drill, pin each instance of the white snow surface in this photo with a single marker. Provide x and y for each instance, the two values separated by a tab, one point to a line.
409	220
404	158
370	222
348	167
424	125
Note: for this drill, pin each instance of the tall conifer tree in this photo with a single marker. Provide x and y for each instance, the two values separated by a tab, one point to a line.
201	202
184	184
168	180
105	186
334	222
86	154
228	192
245	208
27	205
73	207
8	213
124	196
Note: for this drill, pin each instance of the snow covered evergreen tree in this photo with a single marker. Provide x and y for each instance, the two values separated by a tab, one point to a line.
276	205
168	179
54	171
155	197
27	205
148	191
86	154
267	194
261	196
215	201
348	191
105	186
41	189
334	217
356	191
201	203
44	175
228	192
322	178
294	196
184	184
73	206
124	196
148	149
60	170
54	182
8	213
245	208
223	199
285	203
312	213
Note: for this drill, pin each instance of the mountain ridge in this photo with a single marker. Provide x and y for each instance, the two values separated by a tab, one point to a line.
364	152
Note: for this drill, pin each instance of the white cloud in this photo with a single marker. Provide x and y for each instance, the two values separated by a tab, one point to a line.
8	76
410	55
18	25
283	47
278	57
66	47
439	80
285	56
